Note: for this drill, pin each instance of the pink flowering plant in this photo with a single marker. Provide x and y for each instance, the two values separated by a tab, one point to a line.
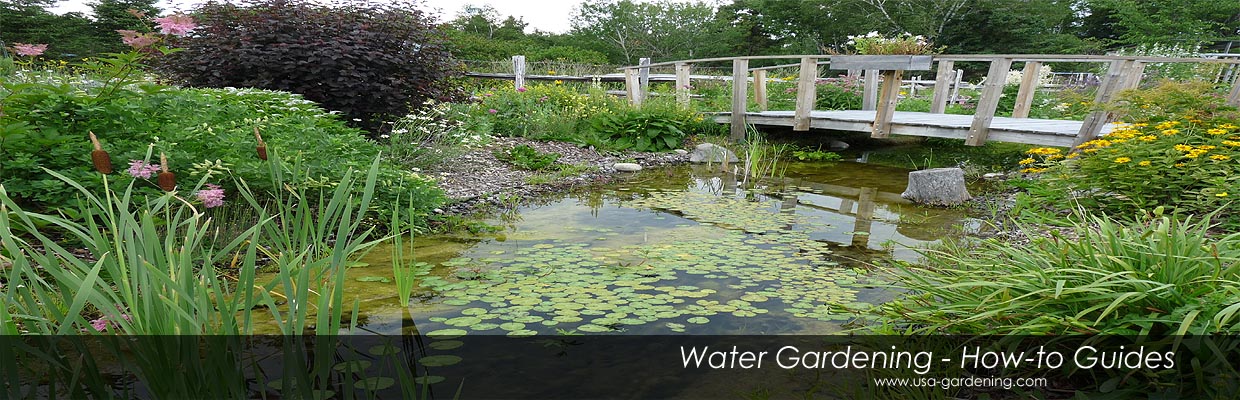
29	50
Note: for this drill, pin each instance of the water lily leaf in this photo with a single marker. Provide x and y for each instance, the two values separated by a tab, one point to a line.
354	366
463	321
374	279
446	333
446	344
698	320
439	360
429	379
384	350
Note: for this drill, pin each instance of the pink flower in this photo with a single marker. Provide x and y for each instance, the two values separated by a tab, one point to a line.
100	324
492	111
141	169
23	49
176	24
521	89
212	196
137	39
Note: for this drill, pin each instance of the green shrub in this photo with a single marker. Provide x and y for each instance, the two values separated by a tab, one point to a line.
527	158
206	134
367	60
433	134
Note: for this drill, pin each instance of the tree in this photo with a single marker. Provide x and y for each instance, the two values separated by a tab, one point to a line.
630	30
1190	22
111	15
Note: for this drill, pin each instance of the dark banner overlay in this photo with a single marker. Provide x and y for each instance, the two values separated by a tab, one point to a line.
617	366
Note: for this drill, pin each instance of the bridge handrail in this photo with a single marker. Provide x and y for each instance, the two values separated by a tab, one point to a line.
965	57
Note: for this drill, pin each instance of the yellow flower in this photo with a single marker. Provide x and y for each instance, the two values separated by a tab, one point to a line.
1179	165
1121	160
551	72
1219	157
1223	194
1032	170
1216	131
1228	126
1148	138
1073	155
1054	157
1027	161
1144	163
1170	131
1089	150
559	82
1231	143
1206	147
1183	147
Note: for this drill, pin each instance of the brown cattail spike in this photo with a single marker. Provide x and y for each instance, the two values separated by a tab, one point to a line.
101	159
166	179
262	146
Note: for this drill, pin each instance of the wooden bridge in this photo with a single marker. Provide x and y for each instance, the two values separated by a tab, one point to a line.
878	115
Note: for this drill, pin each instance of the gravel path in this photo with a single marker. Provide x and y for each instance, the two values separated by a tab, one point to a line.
477	179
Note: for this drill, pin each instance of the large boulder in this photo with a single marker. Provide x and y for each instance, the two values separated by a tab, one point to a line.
938	186
712	153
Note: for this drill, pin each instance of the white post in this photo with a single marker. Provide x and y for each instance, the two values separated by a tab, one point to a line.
518	71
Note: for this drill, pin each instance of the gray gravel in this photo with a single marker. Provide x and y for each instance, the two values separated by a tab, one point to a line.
477	178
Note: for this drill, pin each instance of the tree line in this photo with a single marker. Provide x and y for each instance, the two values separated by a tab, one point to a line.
621	31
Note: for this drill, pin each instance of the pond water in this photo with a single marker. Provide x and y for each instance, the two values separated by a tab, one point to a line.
680	250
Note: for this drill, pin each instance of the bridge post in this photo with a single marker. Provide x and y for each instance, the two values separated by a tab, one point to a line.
643	76
988	102
985	112
518	71
1233	98
1135	71
1028	86
740	97
806	94
869	98
1112	83
632	87
759	88
682	84
886	104
942	86
863	220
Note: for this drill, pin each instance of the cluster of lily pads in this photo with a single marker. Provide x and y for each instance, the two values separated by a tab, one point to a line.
761	262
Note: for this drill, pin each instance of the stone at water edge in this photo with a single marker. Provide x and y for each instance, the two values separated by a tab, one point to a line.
938	186
681	151
836	145
994	176
627	167
712	153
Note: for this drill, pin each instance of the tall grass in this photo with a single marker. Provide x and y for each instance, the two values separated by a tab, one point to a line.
1158	276
761	157
153	267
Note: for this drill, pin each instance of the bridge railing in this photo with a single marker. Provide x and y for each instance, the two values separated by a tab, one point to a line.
1122	72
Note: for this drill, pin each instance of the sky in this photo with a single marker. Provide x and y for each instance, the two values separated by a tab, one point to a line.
545	15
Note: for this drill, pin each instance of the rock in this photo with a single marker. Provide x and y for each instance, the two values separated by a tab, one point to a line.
836	145
711	153
938	186
681	151
994	176
627	167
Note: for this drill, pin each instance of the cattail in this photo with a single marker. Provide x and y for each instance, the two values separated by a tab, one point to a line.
262	146
101	159
167	180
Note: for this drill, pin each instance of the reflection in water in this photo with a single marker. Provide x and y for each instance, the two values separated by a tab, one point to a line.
656	252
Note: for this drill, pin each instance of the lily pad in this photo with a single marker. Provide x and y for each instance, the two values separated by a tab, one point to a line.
446	344
374	279
446	333
354	366
429	379
698	320
439	360
375	383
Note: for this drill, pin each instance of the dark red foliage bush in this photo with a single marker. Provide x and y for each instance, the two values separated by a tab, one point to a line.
367	61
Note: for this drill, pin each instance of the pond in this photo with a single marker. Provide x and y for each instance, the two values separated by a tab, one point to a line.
681	250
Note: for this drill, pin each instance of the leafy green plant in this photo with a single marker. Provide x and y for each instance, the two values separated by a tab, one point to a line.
527	158
204	132
815	155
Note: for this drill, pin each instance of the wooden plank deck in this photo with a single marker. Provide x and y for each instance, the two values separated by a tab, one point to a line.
1043	132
